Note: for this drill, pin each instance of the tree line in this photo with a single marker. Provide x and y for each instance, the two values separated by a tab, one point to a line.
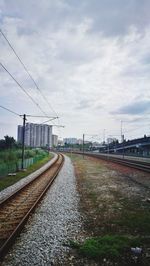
8	143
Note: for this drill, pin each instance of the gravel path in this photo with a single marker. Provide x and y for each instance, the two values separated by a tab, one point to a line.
55	222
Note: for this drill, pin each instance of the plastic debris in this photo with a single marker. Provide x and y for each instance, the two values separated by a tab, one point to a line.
137	250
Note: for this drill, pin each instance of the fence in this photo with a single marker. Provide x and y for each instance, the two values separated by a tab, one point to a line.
11	167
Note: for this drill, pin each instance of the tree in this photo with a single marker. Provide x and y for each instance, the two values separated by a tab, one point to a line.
2	144
9	142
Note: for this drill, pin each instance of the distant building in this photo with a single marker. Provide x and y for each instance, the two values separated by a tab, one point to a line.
19	135
80	141
54	140
111	140
70	141
36	135
60	142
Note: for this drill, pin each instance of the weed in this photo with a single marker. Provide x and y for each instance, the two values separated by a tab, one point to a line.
136	221
108	246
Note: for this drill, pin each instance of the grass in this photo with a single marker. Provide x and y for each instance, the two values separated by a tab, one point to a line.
10	180
108	246
136	221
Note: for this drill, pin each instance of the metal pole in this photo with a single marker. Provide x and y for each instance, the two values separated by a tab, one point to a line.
108	150
122	139
104	136
83	146
23	141
123	145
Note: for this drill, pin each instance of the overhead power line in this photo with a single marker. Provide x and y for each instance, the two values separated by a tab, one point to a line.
47	116
37	87
21	87
9	110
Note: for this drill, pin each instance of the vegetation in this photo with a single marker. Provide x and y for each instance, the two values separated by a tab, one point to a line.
108	246
11	157
10	180
7	143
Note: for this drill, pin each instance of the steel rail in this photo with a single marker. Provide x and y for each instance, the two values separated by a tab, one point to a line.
15	210
134	164
143	166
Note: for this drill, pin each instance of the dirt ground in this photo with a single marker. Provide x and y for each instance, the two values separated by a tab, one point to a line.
114	199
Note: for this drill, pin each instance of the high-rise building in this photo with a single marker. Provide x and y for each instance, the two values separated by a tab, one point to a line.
54	140
36	135
19	135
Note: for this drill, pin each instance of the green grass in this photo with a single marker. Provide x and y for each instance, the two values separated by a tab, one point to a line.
137	221
10	180
10	159
108	246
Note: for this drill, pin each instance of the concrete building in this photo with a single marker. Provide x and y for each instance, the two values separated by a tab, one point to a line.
27	134
36	135
70	141
19	135
50	136
111	140
54	140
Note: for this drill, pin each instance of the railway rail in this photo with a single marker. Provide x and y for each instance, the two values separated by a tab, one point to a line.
136	164
15	210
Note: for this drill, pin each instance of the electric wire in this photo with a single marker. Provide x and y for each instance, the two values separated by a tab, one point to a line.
39	116
21	87
10	111
37	87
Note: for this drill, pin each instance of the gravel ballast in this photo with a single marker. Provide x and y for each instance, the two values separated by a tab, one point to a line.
54	222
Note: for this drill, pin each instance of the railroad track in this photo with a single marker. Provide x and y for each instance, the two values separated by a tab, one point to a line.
143	166
15	210
134	164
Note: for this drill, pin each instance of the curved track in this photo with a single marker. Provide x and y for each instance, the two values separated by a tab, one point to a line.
15	210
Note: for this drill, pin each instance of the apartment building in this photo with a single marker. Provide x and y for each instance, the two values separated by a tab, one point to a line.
54	140
36	135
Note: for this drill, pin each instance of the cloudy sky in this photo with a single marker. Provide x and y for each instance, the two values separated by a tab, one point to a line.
90	59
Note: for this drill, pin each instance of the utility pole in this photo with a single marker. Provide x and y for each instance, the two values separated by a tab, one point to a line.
83	146
121	130
104	136
23	141
108	150
122	139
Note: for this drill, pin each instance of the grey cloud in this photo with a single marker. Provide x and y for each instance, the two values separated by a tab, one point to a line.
135	108
146	59
111	17
83	104
135	71
115	17
86	103
75	54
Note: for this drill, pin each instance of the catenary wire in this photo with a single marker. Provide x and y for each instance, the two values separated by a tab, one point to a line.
10	111
23	89
37	87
